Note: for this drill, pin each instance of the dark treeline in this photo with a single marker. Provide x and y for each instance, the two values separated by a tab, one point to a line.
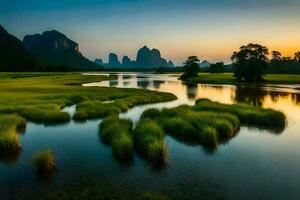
277	64
284	65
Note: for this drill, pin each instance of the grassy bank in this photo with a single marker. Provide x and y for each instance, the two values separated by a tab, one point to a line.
39	97
206	123
209	123
227	78
247	114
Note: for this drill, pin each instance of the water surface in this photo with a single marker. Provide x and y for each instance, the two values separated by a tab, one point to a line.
256	164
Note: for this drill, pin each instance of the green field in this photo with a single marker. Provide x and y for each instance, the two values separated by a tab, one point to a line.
39	97
227	78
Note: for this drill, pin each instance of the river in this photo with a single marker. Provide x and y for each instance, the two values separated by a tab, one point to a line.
256	164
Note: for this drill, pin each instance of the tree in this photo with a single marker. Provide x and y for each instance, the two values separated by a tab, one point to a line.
191	68
297	56
250	62
276	56
217	68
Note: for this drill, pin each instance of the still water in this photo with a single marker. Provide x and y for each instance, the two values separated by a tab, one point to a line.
256	164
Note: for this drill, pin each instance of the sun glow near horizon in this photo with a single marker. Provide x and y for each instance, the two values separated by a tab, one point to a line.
212	31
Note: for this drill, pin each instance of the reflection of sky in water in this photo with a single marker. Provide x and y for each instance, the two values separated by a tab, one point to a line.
284	98
256	164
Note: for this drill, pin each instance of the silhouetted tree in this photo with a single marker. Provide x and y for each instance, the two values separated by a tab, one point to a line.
276	56
297	56
250	62
217	68
191	68
287	59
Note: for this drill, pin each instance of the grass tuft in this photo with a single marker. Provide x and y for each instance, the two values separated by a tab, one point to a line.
251	115
44	161
10	125
118	133
149	141
9	142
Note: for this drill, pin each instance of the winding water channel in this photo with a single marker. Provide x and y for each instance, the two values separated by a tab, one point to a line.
256	164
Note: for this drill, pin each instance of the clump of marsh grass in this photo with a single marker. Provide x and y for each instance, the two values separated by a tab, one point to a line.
122	146
118	133
44	161
10	125
39	97
205	128
9	142
149	141
247	114
56	117
113	125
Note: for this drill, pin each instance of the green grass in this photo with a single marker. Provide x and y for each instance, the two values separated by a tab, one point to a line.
10	126
147	138
227	78
39	97
210	123
44	161
9	142
118	133
149	141
122	146
251	115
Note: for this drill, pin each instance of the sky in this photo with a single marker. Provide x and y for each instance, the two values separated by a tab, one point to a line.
211	30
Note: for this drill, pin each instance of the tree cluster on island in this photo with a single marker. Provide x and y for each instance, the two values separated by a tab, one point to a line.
250	64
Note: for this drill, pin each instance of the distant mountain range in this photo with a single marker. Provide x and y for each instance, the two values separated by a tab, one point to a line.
50	51
145	58
53	51
54	48
204	64
13	55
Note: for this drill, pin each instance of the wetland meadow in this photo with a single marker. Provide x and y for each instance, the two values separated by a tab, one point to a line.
146	136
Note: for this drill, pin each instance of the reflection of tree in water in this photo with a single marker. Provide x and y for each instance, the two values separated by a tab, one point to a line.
126	83
295	98
191	90
256	95
157	84
143	84
250	95
128	76
113	83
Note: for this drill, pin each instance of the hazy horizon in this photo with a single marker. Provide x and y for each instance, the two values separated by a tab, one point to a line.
210	30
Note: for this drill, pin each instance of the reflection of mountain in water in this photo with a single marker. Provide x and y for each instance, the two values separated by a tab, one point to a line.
134	81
